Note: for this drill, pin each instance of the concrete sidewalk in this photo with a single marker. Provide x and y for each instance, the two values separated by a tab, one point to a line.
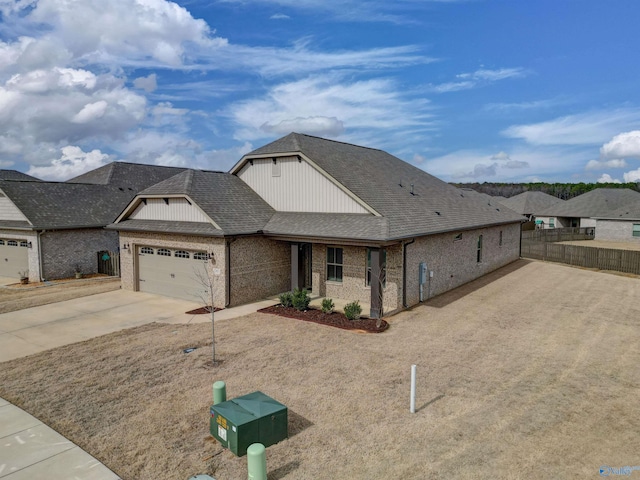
32	450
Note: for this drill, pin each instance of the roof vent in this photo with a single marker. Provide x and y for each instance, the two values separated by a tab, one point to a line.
438	213
411	191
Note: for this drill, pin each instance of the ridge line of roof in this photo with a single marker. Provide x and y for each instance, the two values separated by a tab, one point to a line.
337	141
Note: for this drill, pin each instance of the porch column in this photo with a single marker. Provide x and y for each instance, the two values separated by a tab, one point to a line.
295	266
376	283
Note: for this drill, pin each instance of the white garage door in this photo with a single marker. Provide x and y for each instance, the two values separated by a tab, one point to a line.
13	257
172	273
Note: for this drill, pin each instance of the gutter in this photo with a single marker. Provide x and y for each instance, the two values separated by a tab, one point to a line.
404	272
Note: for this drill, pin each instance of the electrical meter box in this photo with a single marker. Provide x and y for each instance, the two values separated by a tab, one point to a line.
252	418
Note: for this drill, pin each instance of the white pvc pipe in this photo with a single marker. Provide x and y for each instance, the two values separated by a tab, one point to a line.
413	389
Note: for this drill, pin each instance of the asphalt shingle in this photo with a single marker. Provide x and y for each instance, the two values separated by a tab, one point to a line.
596	203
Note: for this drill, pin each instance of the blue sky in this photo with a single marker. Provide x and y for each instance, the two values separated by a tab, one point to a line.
508	91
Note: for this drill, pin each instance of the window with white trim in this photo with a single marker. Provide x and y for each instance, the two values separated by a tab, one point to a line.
636	230
12	243
146	250
479	251
334	264
24	243
181	254
200	256
163	252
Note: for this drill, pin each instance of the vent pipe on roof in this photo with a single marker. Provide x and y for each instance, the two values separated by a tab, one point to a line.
412	190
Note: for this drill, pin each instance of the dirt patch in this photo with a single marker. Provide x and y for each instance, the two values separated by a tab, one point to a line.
532	375
334	319
202	310
18	297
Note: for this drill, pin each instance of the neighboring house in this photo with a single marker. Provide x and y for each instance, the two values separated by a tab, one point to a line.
346	221
582	211
48	229
530	203
622	225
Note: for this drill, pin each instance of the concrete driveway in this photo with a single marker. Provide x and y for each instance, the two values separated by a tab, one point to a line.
36	329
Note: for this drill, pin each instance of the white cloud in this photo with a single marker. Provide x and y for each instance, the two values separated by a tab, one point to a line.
90	112
632	176
321	126
280	16
602	164
501	156
606	178
418	159
516	164
328	102
582	129
73	161
480	170
466	81
623	145
148	84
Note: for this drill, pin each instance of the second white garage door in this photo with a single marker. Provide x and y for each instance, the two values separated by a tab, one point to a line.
13	257
172	273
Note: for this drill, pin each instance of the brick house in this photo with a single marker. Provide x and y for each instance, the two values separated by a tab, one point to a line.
582	211
347	222
48	229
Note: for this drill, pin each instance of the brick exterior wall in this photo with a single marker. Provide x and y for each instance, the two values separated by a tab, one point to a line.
454	262
260	268
354	276
616	230
62	250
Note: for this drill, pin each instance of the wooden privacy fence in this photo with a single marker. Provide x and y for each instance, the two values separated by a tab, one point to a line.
559	234
109	263
627	261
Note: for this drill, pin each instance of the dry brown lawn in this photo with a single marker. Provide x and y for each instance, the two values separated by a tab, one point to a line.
19	297
531	372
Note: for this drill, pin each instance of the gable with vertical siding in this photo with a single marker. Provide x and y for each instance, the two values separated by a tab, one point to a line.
169	209
293	185
8	210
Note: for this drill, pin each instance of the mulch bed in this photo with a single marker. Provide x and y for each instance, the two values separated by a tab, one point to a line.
335	319
202	311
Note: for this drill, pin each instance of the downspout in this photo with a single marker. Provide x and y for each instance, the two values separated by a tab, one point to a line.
39	243
404	272
227	266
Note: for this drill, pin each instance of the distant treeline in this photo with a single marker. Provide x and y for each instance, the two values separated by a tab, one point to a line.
564	191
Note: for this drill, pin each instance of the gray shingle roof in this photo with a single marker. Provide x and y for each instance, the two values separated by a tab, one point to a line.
16	175
384	182
630	211
226	199
530	203
93	199
328	225
59	205
130	176
596	203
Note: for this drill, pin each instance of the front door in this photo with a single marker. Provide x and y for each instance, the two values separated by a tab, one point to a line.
305	265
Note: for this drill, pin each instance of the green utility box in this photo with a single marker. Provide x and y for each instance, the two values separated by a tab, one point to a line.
252	418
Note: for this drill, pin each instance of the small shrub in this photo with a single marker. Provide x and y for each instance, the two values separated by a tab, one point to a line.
327	305
300	299
353	310
286	299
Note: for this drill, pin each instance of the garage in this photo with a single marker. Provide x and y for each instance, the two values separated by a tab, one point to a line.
14	257
172	273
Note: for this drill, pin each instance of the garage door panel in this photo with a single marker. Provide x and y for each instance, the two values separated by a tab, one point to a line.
14	258
171	276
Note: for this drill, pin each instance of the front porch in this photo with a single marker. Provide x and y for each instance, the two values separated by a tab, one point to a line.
346	273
